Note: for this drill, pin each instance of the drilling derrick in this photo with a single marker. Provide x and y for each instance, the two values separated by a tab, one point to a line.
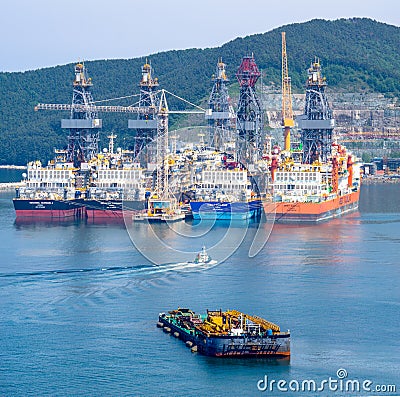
83	125
145	124
316	123
249	114
287	110
220	115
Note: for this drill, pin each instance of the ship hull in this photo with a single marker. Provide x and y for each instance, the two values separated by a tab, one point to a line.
216	210
30	208
277	346
298	212
76	208
116	209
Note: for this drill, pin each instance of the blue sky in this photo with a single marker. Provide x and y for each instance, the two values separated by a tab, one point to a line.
41	33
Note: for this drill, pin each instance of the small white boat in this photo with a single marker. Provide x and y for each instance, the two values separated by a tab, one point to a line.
203	258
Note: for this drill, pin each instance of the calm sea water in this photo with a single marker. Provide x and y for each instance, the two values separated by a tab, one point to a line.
10	175
79	304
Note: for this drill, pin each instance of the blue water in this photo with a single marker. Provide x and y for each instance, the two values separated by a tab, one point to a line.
11	175
79	304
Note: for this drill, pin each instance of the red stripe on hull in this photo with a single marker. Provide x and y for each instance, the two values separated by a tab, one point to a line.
45	213
109	214
103	214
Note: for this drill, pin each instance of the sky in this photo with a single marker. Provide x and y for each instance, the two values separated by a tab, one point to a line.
41	33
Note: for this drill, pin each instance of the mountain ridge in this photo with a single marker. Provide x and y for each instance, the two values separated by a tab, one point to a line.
357	54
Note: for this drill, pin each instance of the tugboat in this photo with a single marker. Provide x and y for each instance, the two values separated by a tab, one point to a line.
203	258
226	333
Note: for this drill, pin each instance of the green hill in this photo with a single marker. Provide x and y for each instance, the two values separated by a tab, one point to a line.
357	55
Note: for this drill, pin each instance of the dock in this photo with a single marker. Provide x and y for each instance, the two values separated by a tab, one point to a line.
10	186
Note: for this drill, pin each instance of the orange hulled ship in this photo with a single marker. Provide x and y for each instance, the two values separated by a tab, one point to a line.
314	192
320	179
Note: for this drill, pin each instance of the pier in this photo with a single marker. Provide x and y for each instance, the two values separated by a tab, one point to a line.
10	186
13	167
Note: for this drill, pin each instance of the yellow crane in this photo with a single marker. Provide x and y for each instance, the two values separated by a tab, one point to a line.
287	110
221	323
255	319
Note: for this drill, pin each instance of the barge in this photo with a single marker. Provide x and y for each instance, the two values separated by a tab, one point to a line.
226	333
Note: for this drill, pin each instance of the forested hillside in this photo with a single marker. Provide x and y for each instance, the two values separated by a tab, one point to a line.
356	54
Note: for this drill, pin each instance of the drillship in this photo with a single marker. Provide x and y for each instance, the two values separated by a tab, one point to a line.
105	187
116	186
54	190
321	179
49	190
224	194
225	189
80	181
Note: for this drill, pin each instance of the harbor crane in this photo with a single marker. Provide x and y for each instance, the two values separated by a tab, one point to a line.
162	113
287	109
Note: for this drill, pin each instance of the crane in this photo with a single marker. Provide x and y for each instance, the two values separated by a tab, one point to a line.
162	144
162	112
287	110
94	108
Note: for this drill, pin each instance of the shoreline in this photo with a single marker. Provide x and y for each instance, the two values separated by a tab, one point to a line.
10	186
374	180
13	167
